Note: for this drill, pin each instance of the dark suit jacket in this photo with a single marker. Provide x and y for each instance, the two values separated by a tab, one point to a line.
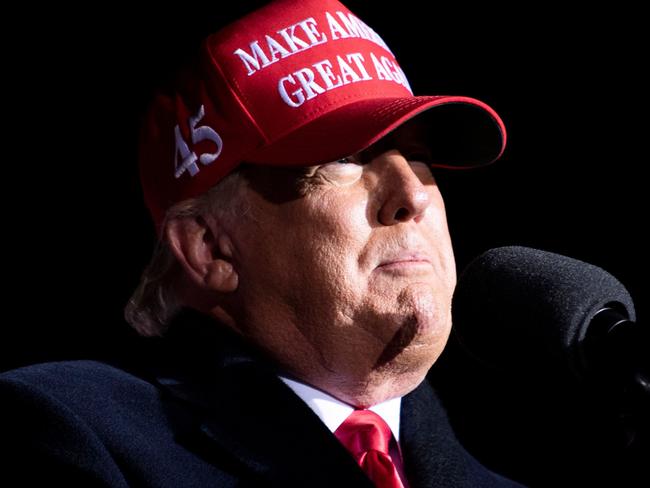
225	422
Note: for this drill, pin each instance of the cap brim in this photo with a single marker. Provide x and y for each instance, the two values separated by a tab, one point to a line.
462	132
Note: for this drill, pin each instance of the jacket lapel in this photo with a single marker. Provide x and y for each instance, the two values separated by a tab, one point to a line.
277	436
243	418
433	456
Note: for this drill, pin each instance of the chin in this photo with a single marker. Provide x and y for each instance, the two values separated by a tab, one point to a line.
417	343
392	381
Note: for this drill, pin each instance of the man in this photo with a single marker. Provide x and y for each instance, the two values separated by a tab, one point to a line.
305	261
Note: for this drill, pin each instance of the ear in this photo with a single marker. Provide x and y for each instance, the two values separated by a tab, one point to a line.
204	251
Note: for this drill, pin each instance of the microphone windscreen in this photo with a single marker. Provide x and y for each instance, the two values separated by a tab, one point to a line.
517	307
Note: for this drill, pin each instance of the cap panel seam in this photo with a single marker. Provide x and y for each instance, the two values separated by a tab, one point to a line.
241	99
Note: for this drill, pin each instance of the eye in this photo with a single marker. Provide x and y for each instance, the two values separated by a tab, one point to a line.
347	160
343	171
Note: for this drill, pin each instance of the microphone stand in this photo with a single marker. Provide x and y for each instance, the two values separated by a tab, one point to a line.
617	351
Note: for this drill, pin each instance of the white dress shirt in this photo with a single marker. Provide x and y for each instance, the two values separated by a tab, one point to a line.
333	412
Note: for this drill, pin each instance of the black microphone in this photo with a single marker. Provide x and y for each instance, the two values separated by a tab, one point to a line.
534	311
555	388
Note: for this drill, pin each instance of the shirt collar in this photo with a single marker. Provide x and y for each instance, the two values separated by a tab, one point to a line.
333	411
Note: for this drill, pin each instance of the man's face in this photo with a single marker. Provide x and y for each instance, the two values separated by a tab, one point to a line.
346	270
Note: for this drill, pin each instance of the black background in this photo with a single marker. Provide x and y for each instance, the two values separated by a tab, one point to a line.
569	85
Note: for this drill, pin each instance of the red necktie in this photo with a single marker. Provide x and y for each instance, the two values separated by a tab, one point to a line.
367	437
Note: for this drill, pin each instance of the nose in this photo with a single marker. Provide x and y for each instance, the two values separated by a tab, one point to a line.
402	195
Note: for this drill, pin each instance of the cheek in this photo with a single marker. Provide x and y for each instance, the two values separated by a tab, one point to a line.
328	243
264	250
336	232
438	239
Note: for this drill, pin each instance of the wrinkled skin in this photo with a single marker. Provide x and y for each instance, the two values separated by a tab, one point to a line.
345	270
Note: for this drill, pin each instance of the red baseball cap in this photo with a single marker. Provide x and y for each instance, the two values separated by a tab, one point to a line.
297	82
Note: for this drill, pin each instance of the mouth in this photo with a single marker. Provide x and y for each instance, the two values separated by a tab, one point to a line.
406	262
